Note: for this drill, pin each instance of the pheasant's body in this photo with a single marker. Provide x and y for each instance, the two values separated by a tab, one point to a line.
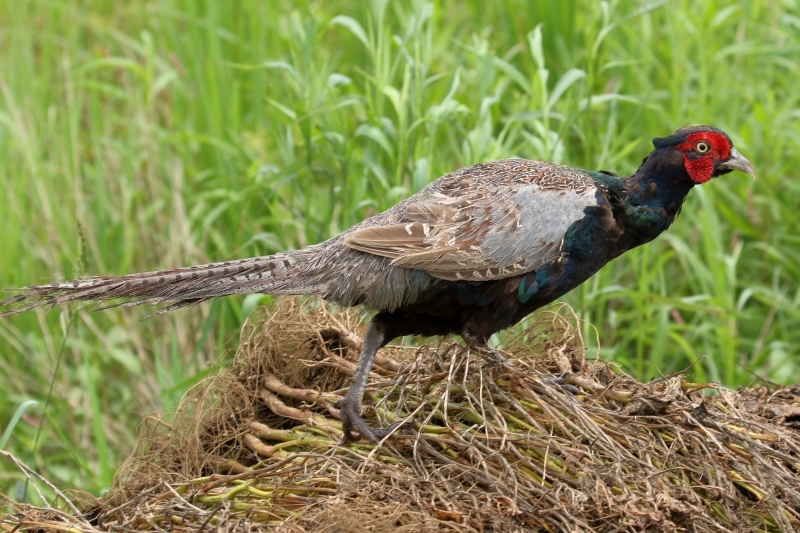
473	253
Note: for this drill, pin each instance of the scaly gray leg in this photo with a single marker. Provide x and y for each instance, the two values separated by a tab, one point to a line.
479	344
350	405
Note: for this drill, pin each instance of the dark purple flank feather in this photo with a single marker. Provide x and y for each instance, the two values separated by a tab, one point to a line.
472	253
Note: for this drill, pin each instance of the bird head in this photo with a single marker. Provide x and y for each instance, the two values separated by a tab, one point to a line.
707	152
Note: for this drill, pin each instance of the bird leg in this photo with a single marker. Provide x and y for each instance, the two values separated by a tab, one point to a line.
350	406
479	344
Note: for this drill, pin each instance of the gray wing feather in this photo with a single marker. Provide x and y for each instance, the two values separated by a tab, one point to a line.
480	235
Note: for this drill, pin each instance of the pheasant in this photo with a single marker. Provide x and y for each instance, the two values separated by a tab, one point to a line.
472	253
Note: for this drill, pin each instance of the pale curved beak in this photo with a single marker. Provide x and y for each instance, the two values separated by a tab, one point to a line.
737	161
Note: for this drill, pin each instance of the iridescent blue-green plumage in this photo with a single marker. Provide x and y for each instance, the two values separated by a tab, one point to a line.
472	253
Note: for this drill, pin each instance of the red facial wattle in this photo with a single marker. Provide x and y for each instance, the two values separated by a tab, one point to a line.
701	169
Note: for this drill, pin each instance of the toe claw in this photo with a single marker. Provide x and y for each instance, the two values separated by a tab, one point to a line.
382	433
354	428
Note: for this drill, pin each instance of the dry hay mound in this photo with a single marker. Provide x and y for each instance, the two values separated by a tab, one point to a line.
492	449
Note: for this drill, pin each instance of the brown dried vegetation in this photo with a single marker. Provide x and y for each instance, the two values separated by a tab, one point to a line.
491	449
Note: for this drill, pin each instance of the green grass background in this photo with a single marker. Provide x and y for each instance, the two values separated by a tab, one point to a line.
152	134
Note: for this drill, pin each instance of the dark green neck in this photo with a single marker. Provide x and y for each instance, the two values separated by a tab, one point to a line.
660	183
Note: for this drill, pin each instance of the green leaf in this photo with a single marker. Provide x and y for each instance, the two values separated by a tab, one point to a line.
535	45
14	420
564	83
352	25
512	72
374	133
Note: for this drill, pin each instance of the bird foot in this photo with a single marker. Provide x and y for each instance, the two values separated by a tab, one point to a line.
479	345
492	356
354	427
559	381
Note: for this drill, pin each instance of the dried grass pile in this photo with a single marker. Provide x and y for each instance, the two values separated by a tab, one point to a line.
492	449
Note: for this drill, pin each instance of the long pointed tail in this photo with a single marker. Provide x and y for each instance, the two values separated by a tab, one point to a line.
180	287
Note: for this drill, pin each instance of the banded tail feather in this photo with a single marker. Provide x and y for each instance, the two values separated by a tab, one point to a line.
180	287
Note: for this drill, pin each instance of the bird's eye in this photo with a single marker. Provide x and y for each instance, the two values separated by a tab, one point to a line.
702	147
